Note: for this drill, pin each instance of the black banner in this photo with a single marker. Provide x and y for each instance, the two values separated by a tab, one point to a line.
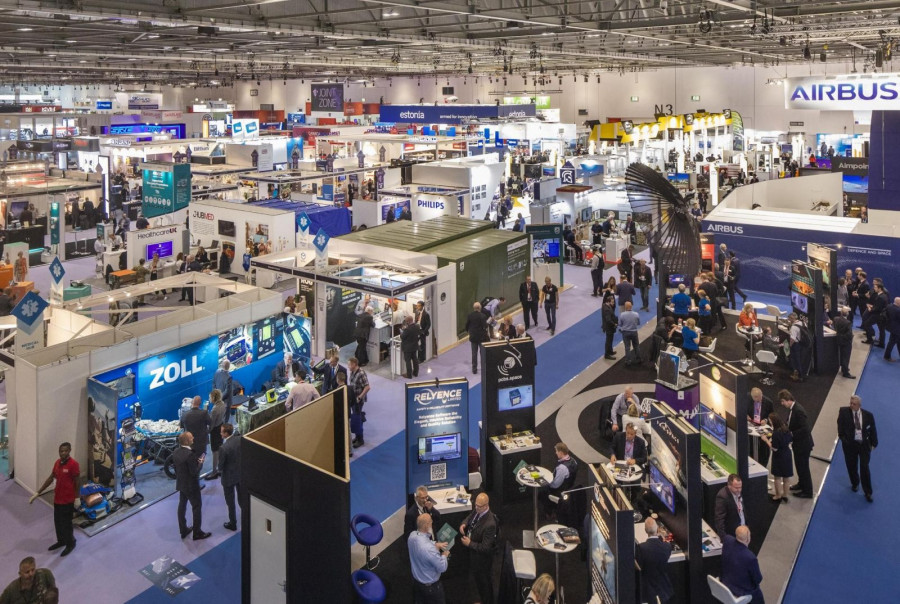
507	386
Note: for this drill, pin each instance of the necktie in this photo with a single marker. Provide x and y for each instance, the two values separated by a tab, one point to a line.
856	420
756	411
740	508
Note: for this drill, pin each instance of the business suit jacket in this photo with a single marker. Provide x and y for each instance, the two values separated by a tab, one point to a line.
412	515
484	538
740	569
523	292
424	322
847	431
409	338
230	460
329	381
893	319
476	326
653	557
800	430
187	471
639	452
197	422
727	516
766	408
222	381
278	372
610	321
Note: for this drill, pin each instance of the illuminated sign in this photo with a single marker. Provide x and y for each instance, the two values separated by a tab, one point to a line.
846	92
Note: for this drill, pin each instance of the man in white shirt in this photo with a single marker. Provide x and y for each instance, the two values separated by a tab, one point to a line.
303	393
620	407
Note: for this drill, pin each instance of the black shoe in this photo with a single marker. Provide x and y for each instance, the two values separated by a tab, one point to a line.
784	499
230	527
201	535
358	443
552	332
796	487
55	546
474	370
186	532
848	375
803	495
879	345
869	497
211	476
854	487
609	357
69	548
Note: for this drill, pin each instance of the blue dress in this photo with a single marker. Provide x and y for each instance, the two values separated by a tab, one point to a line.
782	457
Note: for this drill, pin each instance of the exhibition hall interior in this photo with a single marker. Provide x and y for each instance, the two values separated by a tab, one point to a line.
614	282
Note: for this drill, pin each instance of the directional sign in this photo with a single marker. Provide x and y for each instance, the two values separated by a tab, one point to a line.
29	309
567	174
321	240
57	271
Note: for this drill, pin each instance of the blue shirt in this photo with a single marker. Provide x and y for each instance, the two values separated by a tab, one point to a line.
682	303
426	561
703	305
629	321
689	334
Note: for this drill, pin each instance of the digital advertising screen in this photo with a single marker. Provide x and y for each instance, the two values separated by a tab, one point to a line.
518	397
800	302
394	208
164	249
268	337
297	338
603	557
676	280
668	367
439	448
666	454
662	488
713	424
236	346
802	280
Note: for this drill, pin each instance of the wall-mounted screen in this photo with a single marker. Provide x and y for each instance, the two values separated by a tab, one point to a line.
668	366
519	397
226	228
676	280
662	488
800	302
164	249
439	448
392	283
586	215
713	424
16	208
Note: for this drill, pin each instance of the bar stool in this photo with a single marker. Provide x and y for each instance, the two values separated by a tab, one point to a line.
368	587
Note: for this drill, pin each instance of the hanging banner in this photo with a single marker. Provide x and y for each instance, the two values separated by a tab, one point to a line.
320	242
854	92
327	98
29	314
54	223
567	174
57	272
437	433
166	188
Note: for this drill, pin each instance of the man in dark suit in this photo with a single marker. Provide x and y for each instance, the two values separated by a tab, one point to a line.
196	421
856	429
528	296
735	265
187	482
843	329
610	324
230	469
802	445
479	535
364	327
892	325
730	507
740	568
758	412
190	266
409	345
286	370
653	557
423	319
628	447
329	375
222	381
477	328
422	504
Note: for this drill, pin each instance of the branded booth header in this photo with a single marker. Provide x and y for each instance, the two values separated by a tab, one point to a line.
847	92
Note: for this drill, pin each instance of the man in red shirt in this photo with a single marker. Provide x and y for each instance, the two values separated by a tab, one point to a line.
66	472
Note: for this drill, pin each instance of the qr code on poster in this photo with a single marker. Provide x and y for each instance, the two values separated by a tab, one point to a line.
438	472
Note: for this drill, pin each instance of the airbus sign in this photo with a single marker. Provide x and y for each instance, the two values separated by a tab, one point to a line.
724	228
848	92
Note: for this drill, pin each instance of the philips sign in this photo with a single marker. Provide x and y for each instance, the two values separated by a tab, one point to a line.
849	93
435	205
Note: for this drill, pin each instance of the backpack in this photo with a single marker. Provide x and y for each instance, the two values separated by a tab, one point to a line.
805	336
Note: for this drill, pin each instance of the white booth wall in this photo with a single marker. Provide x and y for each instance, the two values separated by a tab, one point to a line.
240	154
139	240
469	175
789	194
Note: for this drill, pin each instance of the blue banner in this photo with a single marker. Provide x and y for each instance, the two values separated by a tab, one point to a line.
104	105
164	380
451	114
437	434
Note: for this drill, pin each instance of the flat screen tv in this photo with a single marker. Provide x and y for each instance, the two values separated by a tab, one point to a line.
553	249
518	397
676	280
226	228
713	424
662	488
164	249
16	207
800	302
439	448
586	214
667	368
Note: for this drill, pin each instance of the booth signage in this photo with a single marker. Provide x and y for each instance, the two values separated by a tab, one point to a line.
244	128
845	92
145	101
179	373
452	114
167	188
41	108
104	105
567	174
327	98
507	386
437	433
29	314
160	115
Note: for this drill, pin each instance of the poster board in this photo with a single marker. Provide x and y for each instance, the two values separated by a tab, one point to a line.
437	433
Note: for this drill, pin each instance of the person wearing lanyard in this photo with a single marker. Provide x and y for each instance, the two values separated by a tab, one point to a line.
758	412
856	429
480	535
550	299
730	507
427	560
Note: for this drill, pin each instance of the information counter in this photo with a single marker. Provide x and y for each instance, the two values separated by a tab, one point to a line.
613	247
33	236
506	457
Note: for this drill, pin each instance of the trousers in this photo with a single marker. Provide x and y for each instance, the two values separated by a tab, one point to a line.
196	510
62	522
857	456
232	492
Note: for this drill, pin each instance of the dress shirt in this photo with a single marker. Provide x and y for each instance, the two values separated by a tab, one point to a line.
560	473
301	394
620	406
857	426
629	449
426	561
629	321
739	502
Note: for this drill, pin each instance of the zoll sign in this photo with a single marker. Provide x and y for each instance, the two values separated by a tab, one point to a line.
846	92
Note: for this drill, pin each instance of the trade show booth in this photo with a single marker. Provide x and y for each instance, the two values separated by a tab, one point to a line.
481	176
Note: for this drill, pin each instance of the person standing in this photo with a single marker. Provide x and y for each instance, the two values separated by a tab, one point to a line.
422	504
798	348
759	411
860	292
196	421
610	324
409	345
643	279
704	312
550	300
782	458
892	325
217	417
230	469
190	266
33	585
364	327
735	274
626	262
187	482
477	328
629	323
528	296
620	407
66	472
856	429
798	424
479	533
740	568
681	304
302	393
875	306
844	336
596	271
222	381
332	368
625	292
653	557
358	382
423	319
730	507
427	560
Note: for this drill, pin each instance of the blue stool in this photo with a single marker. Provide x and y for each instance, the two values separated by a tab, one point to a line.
368	532
368	587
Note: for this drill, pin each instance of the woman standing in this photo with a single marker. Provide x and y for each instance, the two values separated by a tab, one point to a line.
154	272
541	590
609	290
216	419
782	458
704	313
691	339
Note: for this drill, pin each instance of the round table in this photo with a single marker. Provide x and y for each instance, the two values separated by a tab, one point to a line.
550	546
524	478
757	305
635	477
751	332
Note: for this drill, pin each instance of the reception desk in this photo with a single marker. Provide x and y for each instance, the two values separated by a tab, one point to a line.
33	236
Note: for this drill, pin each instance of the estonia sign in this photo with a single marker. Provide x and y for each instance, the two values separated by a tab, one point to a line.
847	92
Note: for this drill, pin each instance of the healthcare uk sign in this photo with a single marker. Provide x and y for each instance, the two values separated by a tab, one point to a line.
846	92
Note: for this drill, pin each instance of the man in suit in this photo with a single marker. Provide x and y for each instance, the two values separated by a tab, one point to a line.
802	445
364	327
480	534
610	324
735	273
223	383
740	568
422	504
187	482
758	412
196	421
653	557
409	345
286	370
892	325
730	507
528	296
627	446
643	279
423	319
190	266
230	469
856	429
843	328
477	328
329	376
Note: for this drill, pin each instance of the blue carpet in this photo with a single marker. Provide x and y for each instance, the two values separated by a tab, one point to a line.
848	552
220	578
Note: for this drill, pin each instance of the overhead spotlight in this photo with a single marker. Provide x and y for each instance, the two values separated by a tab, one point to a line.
823	57
782	41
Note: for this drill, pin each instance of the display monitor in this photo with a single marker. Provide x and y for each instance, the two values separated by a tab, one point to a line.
518	397
713	424
676	280
164	249
667	368
662	488
439	448
16	208
586	215
227	229
392	283
800	302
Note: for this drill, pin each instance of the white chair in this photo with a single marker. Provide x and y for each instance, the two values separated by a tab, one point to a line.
721	593
709	349
474	481
775	312
524	567
766	357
